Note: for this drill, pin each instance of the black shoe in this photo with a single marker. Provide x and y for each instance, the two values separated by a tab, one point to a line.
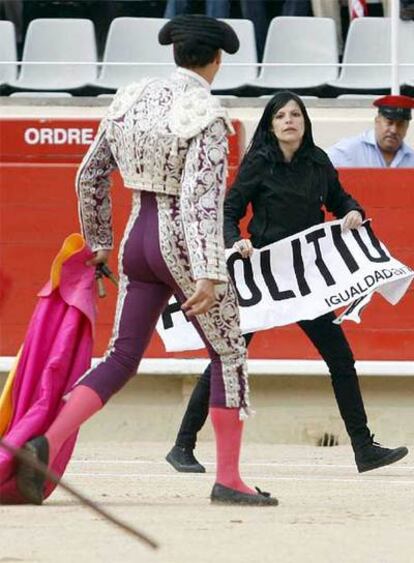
373	455
30	482
224	495
183	460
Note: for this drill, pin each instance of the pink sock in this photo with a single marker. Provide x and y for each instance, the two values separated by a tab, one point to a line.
83	402
228	429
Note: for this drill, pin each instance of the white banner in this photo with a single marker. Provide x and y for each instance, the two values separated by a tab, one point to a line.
300	278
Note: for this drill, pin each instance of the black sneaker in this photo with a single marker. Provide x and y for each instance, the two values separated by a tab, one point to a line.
373	456
224	495
183	460
30	483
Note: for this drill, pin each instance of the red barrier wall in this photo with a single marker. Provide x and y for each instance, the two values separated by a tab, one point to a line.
38	210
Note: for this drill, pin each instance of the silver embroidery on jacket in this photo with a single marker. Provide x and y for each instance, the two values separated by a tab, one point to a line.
93	189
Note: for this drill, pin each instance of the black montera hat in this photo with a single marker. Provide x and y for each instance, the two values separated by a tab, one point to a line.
203	29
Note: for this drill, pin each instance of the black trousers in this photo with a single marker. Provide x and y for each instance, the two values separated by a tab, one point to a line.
330	341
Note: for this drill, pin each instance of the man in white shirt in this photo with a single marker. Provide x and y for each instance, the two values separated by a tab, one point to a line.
383	146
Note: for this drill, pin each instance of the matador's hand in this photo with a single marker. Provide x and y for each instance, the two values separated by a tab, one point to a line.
244	247
100	257
352	220
202	299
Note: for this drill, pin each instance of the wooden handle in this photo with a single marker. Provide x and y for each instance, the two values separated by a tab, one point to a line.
101	287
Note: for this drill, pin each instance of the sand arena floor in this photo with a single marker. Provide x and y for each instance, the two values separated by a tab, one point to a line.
327	512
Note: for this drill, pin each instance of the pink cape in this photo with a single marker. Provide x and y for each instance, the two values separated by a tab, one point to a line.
57	350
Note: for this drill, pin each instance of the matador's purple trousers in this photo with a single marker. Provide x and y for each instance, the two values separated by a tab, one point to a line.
146	285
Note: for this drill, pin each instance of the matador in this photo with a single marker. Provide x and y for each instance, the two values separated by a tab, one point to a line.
168	139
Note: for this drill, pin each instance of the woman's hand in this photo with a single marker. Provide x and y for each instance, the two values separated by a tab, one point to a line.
352	220
100	257
244	247
202	299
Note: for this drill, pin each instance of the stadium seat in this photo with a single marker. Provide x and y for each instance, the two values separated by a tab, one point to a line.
233	77
408	72
8	52
34	94
134	40
57	40
269	96
292	40
369	42
367	97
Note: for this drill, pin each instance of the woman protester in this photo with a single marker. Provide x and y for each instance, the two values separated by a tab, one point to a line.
288	180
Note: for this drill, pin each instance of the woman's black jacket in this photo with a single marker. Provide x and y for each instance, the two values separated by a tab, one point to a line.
286	197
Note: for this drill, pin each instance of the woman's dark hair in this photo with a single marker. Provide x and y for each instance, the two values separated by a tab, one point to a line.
193	54
264	140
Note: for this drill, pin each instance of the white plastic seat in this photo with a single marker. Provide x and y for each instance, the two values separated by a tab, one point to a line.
369	97
369	41
232	77
58	40
8	52
299	40
134	40
34	94
408	72
269	96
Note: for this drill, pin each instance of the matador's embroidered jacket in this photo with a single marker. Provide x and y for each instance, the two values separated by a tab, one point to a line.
168	137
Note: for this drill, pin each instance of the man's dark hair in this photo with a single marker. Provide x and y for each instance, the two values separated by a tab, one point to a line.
192	54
